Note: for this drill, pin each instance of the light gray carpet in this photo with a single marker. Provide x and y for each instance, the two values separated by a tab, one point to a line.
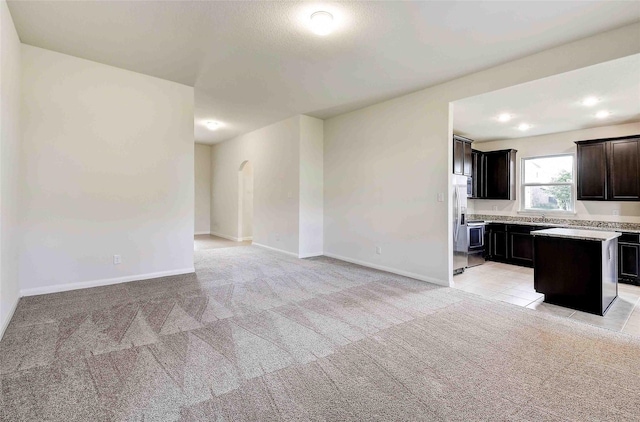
256	335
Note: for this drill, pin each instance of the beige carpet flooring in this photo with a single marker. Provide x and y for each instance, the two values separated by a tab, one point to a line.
259	336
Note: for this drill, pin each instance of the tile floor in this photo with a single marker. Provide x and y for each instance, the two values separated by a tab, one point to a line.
209	241
513	284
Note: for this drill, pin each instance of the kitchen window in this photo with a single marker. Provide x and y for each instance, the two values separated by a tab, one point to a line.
548	184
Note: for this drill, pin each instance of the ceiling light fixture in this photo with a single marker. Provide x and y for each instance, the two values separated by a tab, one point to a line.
590	101
602	114
211	125
322	23
524	126
504	117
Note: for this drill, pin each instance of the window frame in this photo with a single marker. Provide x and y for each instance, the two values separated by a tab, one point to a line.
572	184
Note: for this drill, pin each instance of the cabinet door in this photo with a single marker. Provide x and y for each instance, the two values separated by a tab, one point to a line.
476	174
467	159
628	257
499	245
488	243
520	246
592	172
499	167
624	170
458	156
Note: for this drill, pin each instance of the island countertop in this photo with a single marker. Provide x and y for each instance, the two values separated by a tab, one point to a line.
580	234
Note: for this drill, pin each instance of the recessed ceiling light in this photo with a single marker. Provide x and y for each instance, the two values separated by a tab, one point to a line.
322	23
590	101
211	125
524	126
603	114
504	117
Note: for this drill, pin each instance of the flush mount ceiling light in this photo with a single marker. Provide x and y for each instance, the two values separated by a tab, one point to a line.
602	114
321	23
524	126
504	117
590	101
211	125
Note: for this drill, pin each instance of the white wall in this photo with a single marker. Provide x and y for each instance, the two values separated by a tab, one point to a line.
202	188
107	168
311	187
384	165
274	154
247	201
10	59
560	143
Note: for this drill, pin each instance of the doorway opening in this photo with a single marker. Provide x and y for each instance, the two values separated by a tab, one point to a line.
245	201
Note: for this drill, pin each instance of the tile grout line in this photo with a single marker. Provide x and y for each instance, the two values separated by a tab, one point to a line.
635	308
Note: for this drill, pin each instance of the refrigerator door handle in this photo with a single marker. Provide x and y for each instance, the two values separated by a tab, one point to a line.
456	221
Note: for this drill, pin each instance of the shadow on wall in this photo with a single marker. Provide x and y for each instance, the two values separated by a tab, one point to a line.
245	201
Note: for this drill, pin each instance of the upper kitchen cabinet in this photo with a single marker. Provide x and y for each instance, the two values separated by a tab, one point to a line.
477	167
499	169
609	169
462	155
624	170
592	171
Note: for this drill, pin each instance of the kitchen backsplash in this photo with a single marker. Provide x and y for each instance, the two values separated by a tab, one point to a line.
572	222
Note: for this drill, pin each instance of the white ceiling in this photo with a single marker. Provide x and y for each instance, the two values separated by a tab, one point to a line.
553	104
254	63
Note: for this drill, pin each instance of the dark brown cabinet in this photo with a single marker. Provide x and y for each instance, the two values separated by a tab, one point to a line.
521	245
462	156
624	170
499	242
510	243
477	167
629	258
576	273
498	174
609	169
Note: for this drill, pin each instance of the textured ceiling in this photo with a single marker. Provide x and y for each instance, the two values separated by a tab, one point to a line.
254	63
553	104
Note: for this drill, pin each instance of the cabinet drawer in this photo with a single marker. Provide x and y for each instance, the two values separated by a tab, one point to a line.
629	238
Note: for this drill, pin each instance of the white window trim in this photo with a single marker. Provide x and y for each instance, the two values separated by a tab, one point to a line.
523	210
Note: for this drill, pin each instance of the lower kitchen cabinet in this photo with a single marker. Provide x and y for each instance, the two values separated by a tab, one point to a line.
629	258
498	242
513	244
510	243
521	245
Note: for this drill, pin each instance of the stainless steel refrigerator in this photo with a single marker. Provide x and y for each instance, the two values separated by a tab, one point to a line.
460	243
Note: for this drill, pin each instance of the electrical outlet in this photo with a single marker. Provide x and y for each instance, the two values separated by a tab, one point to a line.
117	259
495	208
616	212
441	197
378	250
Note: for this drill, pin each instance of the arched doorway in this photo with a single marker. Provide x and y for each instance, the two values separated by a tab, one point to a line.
245	201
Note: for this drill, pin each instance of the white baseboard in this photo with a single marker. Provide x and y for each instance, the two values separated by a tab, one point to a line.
275	249
244	239
200	233
5	324
103	282
444	283
224	236
309	255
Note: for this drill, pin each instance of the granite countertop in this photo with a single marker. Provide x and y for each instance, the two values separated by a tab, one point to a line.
573	224
597	235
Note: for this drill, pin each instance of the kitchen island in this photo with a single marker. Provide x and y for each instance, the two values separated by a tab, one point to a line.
576	268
